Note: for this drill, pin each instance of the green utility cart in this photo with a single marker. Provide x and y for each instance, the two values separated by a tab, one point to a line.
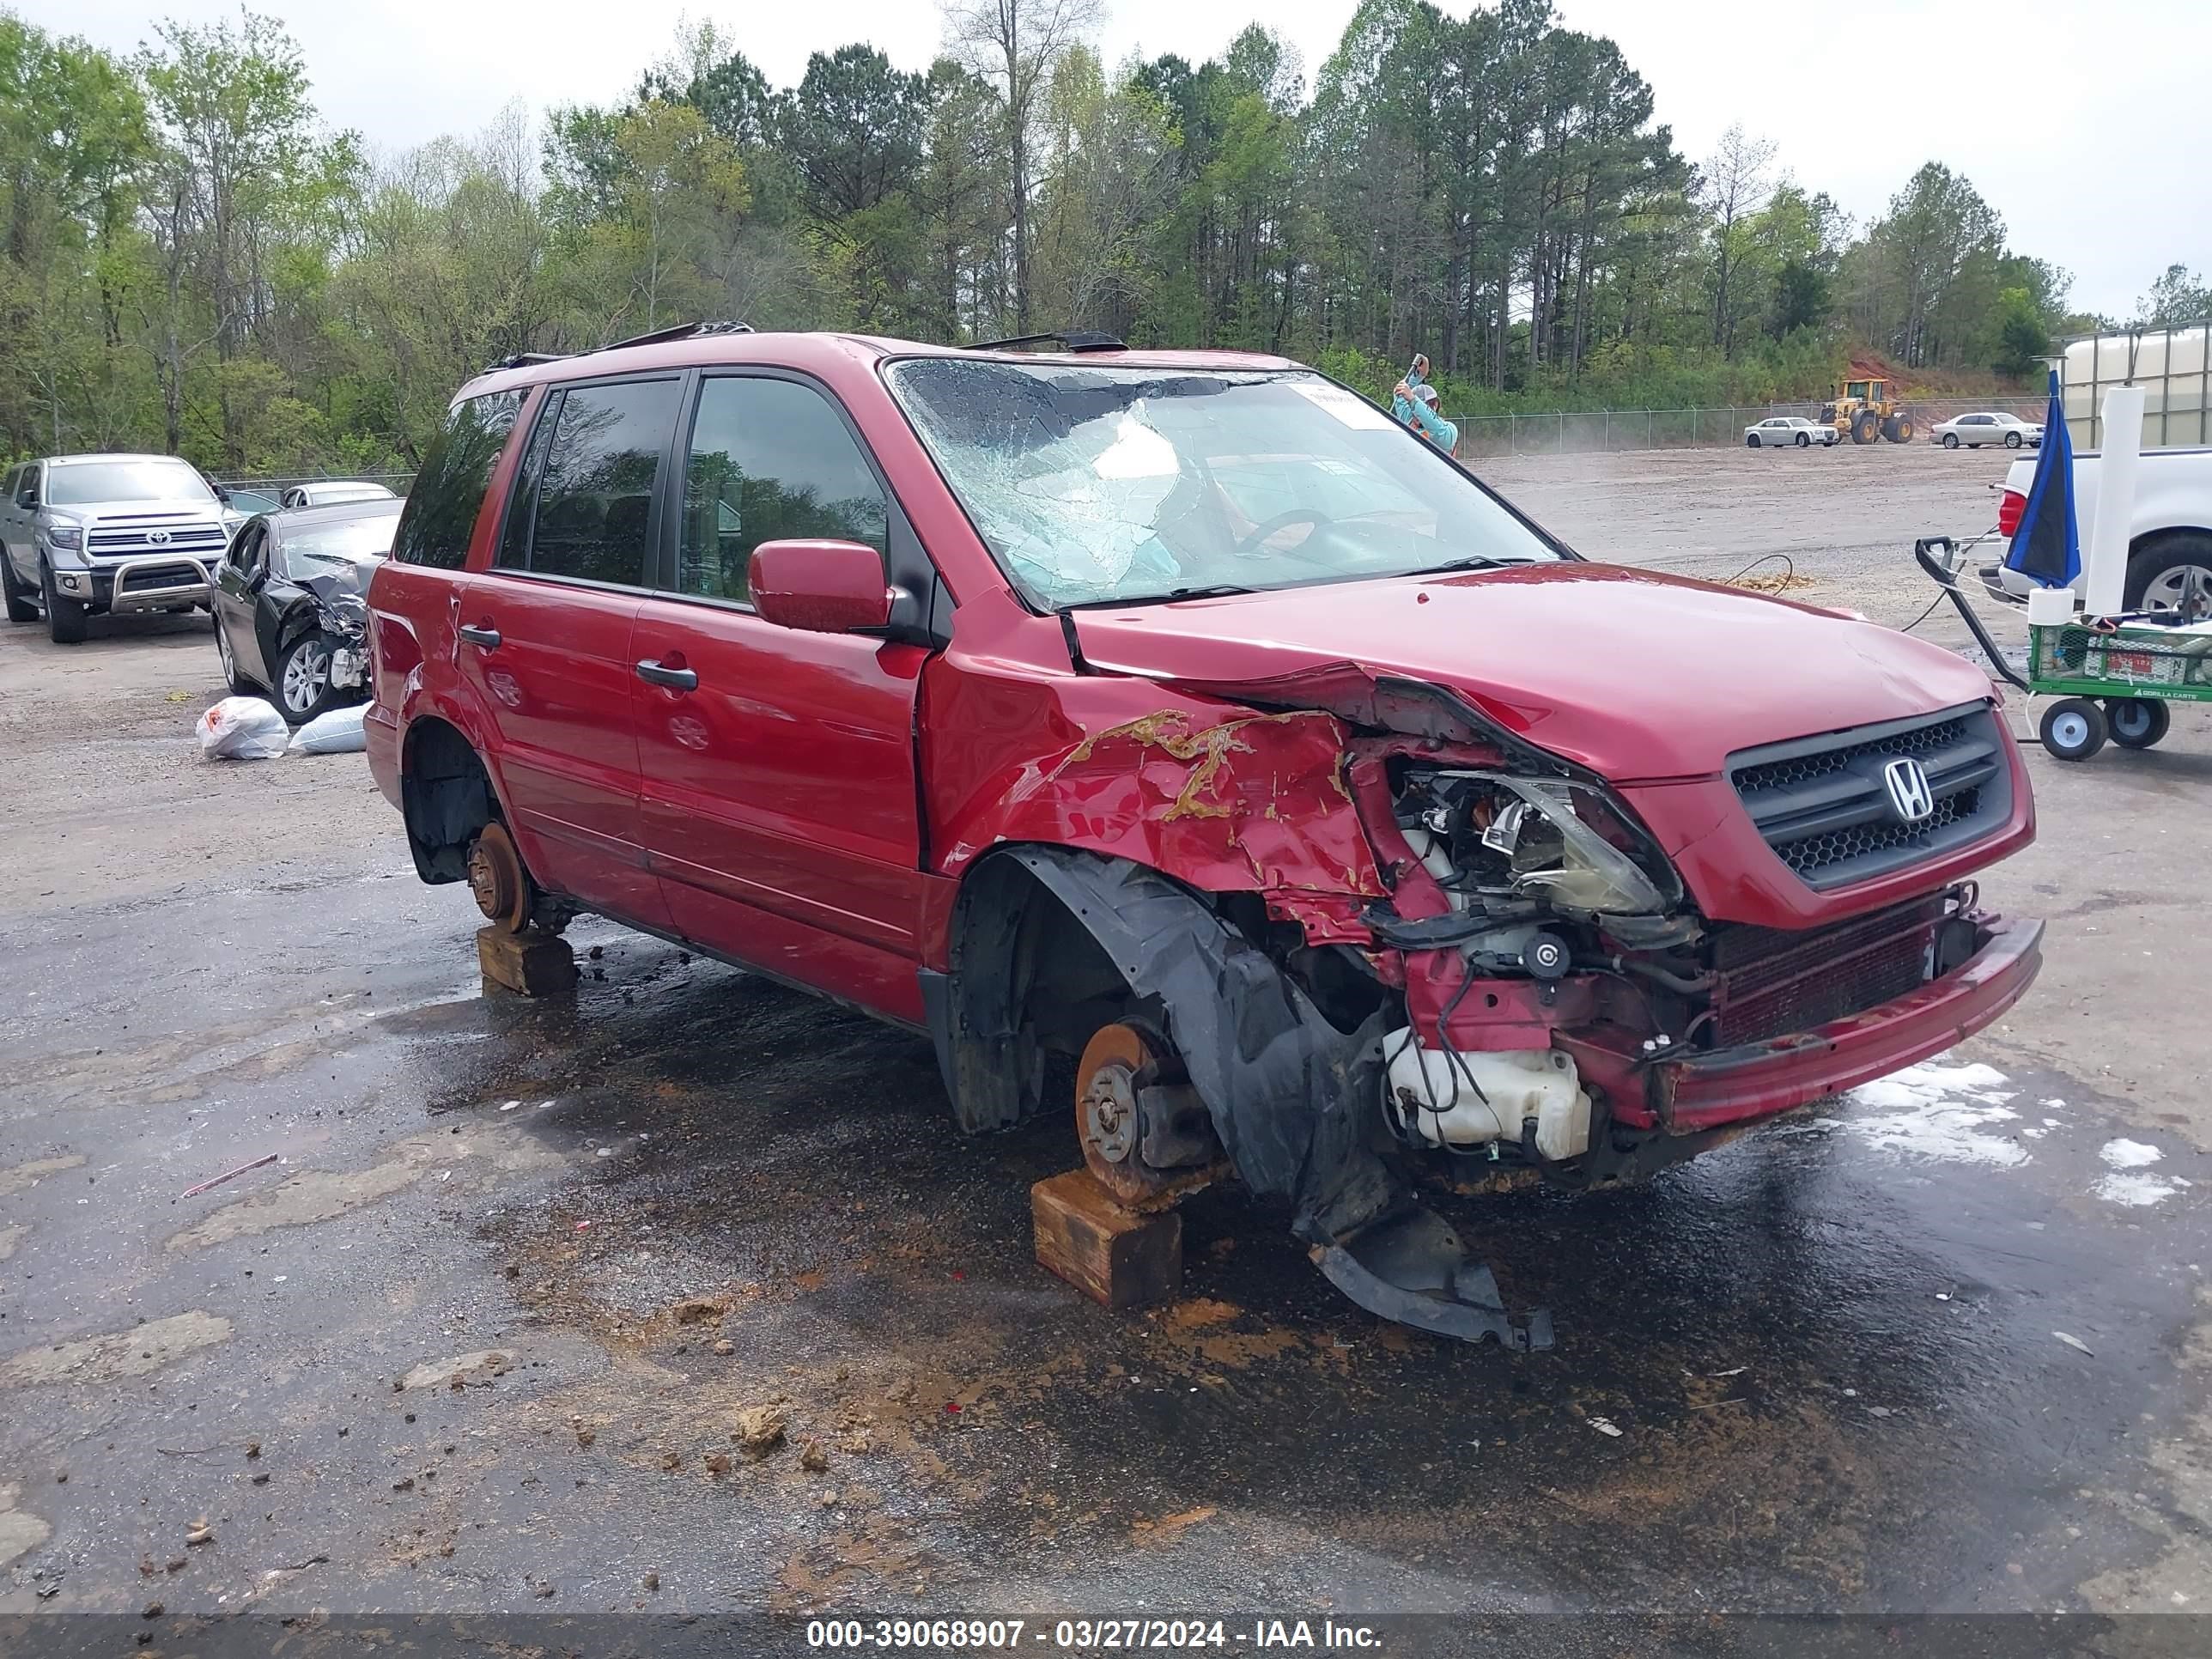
2114	682
2111	681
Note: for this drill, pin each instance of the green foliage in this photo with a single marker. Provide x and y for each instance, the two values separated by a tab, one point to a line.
2177	297
1933	284
190	260
2023	335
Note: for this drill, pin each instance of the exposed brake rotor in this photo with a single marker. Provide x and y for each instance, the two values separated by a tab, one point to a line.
497	879
1144	1133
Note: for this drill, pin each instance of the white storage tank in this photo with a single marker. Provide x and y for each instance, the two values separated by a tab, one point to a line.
2173	366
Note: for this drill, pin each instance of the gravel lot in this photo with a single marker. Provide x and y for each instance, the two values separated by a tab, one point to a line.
1832	1351
1846	516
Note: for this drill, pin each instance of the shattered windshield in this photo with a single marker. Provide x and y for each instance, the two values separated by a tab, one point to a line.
345	550
1103	484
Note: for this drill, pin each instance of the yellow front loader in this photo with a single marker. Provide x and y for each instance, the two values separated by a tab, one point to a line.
1862	412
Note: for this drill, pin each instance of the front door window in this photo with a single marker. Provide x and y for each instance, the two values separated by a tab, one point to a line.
770	460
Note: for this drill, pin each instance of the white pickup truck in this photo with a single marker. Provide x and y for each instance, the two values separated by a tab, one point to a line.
2169	535
83	535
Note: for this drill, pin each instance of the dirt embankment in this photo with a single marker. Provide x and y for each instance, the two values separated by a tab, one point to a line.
1865	363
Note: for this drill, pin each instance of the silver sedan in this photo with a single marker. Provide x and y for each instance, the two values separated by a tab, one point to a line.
1788	430
1989	427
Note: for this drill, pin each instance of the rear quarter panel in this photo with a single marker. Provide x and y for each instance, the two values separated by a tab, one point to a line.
414	610
2173	491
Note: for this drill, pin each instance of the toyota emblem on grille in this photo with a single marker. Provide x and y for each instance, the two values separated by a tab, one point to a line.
159	538
1909	793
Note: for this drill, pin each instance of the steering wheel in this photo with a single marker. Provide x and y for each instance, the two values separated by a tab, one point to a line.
1244	549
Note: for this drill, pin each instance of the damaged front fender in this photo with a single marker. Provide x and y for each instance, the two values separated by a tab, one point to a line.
289	611
1226	799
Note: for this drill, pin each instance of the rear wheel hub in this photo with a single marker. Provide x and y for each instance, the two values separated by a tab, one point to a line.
497	879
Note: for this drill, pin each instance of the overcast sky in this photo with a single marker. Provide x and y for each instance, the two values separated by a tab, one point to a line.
2087	123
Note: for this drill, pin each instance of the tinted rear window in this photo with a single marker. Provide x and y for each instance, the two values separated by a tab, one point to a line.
588	494
441	510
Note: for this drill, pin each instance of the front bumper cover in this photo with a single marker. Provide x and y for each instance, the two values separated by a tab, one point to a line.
1732	1085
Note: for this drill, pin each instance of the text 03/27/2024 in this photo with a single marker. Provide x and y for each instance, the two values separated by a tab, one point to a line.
1087	1635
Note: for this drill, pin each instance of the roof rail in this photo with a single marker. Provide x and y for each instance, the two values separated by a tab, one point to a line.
680	332
1072	340
658	336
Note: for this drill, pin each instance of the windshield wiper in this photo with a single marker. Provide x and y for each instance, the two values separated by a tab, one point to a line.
1472	562
1209	591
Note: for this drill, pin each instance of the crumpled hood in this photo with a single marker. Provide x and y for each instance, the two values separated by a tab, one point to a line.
1636	674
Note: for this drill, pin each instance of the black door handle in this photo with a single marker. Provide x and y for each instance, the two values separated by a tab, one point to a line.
682	679
486	637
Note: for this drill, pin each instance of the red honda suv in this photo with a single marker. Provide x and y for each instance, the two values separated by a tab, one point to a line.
1181	743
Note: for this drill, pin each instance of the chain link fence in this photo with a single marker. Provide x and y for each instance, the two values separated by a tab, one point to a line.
1613	430
1595	432
396	483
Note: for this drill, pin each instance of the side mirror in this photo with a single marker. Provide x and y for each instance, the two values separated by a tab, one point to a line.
822	587
28	497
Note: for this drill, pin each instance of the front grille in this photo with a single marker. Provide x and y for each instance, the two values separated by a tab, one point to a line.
1797	769
181	538
1769	983
1815	853
159	575
1822	805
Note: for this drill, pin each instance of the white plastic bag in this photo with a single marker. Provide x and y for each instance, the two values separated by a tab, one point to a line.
242	728
337	732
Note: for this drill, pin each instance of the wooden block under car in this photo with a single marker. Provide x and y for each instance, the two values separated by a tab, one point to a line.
1113	1255
531	963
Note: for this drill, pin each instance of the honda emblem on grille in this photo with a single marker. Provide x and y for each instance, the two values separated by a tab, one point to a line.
1909	793
159	538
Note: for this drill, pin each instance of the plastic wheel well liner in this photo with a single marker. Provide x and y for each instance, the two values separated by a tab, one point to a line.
1291	1098
447	799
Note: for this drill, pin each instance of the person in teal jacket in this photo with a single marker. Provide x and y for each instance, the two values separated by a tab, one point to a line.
1414	401
1402	394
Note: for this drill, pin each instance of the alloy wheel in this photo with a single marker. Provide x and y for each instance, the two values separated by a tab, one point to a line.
2185	588
307	672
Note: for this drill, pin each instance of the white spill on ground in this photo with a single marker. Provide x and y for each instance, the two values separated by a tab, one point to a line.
1941	1112
2132	1189
2130	1181
1957	1114
2130	1154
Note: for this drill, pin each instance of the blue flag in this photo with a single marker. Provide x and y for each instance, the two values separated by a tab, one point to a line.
2047	546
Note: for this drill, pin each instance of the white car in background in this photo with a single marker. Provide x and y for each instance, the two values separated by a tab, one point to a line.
1794	430
2169	529
330	491
1989	427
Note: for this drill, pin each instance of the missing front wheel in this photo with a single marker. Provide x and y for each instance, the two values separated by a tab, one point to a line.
1145	1133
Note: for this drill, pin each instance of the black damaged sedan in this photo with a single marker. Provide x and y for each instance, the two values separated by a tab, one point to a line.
289	622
